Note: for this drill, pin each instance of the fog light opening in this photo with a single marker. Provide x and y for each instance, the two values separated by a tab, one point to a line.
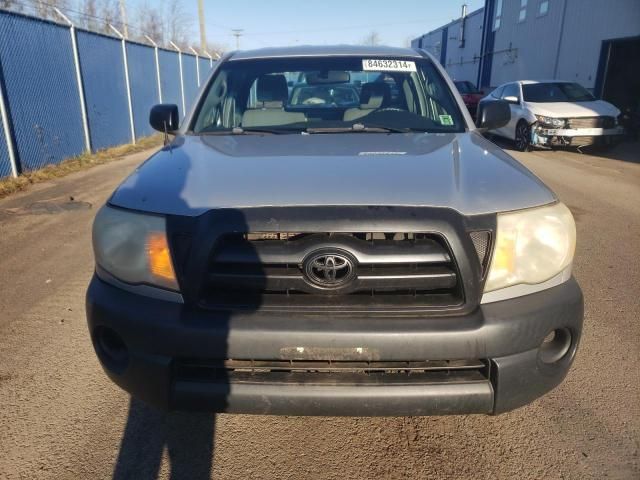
555	345
111	349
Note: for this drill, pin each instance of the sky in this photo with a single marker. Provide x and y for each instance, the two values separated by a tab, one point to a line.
290	22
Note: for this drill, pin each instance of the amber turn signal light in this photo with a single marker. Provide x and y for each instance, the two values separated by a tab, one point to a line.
160	264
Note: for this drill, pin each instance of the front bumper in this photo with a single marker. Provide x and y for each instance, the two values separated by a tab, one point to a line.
541	135
506	335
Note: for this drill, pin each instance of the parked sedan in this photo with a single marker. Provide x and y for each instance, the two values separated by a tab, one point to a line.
555	113
470	95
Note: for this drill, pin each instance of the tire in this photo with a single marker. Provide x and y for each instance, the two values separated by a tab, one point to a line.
523	136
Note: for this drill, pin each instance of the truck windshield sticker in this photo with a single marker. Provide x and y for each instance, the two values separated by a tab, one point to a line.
446	120
380	65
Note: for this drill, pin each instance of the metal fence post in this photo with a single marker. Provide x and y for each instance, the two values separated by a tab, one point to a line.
155	49
79	81
123	40
11	148
197	63
184	108
210	59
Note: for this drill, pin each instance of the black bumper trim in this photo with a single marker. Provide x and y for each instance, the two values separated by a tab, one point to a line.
337	400
507	334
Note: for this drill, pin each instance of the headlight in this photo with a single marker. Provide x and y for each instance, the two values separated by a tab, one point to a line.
532	246
551	122
133	247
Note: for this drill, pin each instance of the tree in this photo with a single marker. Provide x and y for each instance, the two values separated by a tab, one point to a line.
178	24
96	15
149	21
216	49
109	13
12	5
373	38
46	9
89	9
164	23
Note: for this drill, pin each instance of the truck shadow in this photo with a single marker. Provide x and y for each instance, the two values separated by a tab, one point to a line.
188	438
201	331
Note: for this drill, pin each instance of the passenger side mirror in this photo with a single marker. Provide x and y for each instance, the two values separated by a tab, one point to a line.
493	114
165	118
511	99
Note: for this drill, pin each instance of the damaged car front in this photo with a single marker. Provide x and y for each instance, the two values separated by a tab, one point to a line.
556	114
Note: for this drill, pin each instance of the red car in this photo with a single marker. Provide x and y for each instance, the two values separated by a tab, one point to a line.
470	94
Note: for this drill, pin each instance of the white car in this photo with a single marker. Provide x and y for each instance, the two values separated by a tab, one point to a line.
555	113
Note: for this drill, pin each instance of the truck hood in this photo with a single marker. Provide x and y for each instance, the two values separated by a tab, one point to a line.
572	110
461	171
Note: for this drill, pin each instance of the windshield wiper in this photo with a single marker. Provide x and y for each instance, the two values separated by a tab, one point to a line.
250	131
356	127
361	128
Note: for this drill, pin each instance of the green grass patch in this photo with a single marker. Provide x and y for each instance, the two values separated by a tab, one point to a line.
75	164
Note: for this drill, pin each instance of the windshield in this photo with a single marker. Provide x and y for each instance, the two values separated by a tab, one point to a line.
466	87
314	95
555	92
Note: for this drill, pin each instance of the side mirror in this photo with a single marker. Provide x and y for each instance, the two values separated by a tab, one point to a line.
164	117
494	114
511	99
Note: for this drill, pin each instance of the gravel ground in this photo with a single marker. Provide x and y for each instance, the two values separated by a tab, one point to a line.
60	417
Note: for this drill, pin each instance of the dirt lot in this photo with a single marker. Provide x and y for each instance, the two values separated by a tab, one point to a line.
60	417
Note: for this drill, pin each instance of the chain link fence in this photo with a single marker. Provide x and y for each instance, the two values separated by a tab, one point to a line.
65	91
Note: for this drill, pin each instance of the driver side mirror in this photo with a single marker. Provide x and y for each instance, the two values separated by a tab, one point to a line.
511	99
493	114
164	117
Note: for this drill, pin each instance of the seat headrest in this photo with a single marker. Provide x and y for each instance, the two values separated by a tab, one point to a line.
272	91
375	95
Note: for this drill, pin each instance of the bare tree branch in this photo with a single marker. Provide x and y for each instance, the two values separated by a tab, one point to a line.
373	38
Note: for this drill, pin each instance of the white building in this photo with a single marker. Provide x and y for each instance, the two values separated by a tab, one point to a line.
593	42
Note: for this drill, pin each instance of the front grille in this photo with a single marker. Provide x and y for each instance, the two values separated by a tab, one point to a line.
336	371
268	270
591	122
482	243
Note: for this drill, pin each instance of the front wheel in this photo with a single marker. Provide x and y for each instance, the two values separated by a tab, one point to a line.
523	136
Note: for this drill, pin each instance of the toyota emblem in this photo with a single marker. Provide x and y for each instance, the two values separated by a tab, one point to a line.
329	269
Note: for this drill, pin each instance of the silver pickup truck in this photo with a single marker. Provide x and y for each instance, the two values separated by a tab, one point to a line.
333	257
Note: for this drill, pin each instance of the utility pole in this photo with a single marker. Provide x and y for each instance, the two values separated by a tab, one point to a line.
203	32
237	32
123	19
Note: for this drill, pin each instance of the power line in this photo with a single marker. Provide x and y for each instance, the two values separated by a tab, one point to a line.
73	13
335	29
80	17
236	32
77	14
